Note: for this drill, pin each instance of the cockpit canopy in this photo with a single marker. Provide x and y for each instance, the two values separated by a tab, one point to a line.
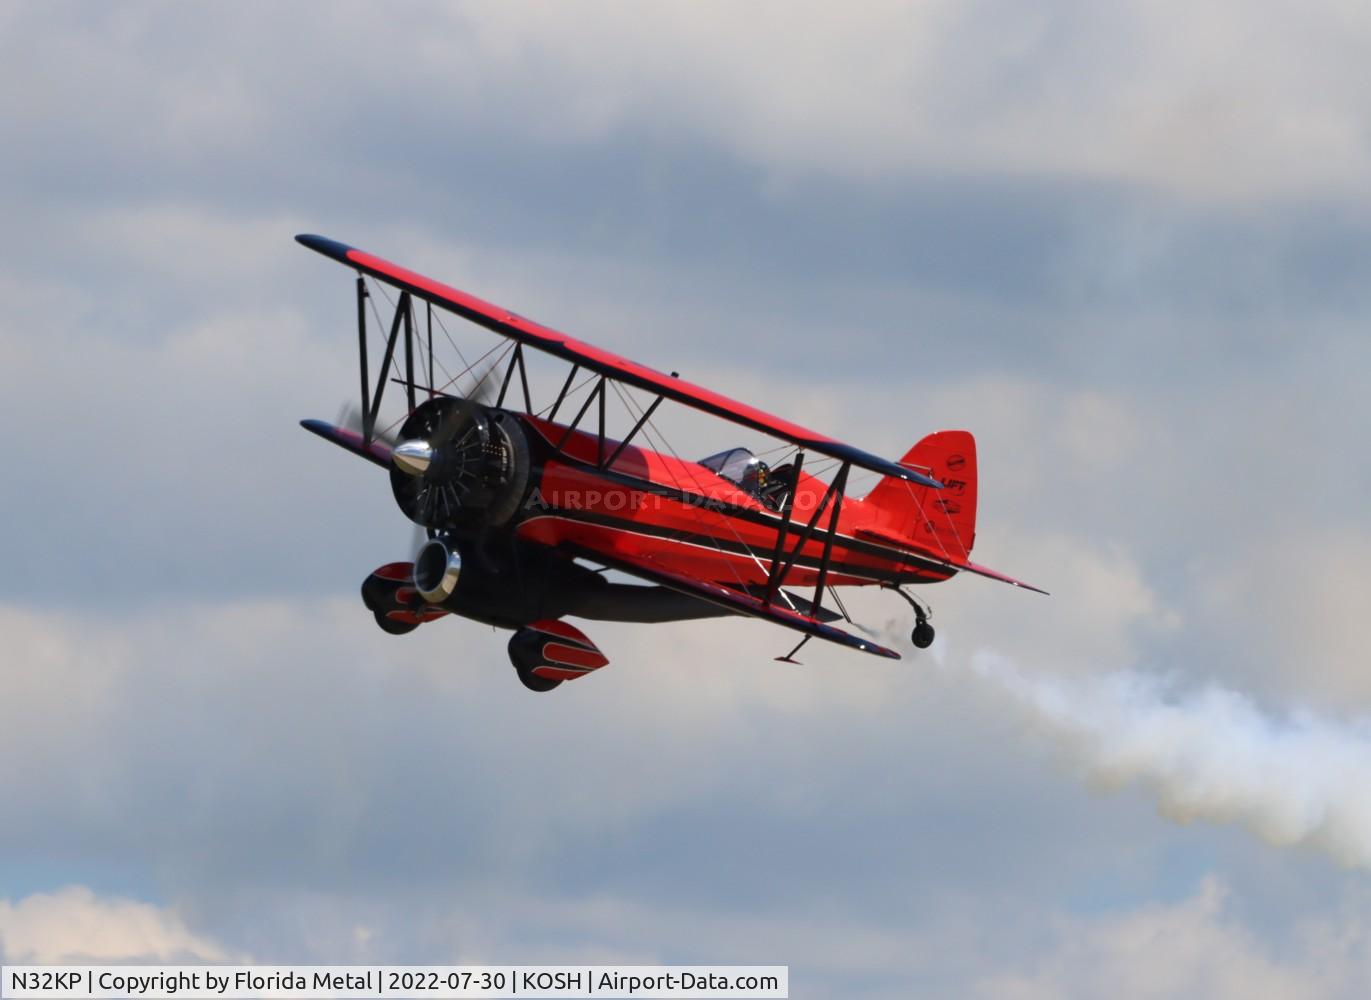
738	465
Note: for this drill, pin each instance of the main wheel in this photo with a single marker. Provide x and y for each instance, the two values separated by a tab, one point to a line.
535	683
391	627
524	653
922	636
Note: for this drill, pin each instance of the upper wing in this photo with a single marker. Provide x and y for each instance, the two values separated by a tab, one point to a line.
525	331
728	597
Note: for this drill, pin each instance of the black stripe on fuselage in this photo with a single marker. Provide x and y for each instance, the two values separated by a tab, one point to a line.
741	548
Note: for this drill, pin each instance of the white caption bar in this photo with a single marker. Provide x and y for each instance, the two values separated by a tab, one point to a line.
164	982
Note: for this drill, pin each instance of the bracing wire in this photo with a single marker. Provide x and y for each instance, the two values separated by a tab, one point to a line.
650	431
655	435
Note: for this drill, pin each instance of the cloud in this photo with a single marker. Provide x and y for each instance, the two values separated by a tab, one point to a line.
1244	103
73	925
1125	246
1302	633
1236	105
290	751
1194	947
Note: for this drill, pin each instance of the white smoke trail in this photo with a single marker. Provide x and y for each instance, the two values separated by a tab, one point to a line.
1212	755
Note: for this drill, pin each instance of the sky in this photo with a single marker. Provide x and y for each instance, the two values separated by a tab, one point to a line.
1128	245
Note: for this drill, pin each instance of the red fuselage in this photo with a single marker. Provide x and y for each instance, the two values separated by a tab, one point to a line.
686	518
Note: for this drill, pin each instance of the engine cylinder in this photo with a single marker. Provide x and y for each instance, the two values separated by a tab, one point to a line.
460	466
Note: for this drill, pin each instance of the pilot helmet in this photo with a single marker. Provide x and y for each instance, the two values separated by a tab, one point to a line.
754	476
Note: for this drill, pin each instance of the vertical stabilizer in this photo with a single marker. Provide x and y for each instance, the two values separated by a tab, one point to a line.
943	520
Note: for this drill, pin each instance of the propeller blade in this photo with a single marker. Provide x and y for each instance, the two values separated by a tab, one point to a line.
350	417
459	415
484	390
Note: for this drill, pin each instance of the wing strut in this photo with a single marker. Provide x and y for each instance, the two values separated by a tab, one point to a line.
774	580
362	358
598	391
516	360
839	488
404	318
566	387
428	308
409	354
778	569
401	317
647	415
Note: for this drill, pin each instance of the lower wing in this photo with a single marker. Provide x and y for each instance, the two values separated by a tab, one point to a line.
729	597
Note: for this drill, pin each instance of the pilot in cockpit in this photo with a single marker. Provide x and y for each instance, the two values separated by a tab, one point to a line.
740	466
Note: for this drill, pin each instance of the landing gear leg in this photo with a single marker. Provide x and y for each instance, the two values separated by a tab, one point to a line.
922	636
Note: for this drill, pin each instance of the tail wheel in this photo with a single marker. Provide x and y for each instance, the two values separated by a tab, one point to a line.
922	636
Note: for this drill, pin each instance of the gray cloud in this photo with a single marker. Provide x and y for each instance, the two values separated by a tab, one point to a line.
1132	262
298	762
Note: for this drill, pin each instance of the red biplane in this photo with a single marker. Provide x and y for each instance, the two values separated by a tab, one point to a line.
518	507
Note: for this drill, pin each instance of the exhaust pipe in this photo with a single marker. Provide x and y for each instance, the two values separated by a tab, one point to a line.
436	571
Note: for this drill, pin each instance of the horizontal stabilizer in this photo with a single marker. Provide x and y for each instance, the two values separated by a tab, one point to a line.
960	565
986	571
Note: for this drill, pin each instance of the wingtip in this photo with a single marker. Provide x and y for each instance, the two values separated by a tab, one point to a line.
876	649
323	245
349	440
